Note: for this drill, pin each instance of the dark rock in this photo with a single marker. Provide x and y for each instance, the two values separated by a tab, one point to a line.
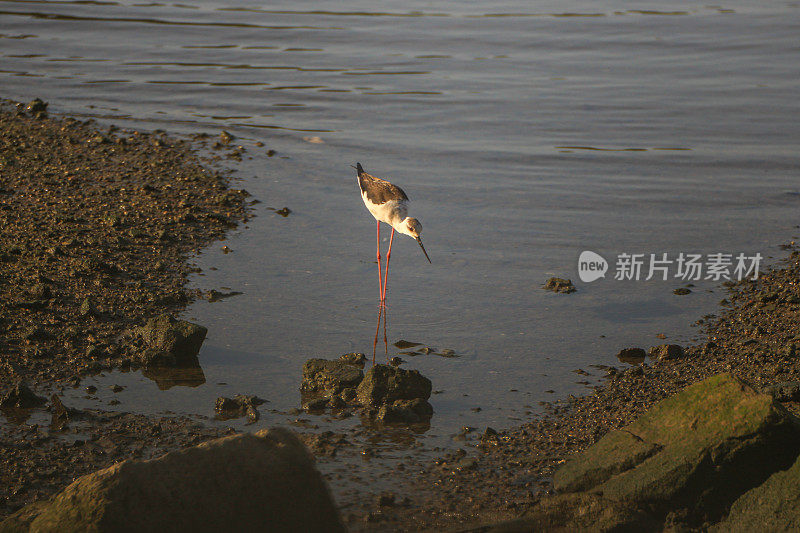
680	291
384	384
772	506
788	391
171	342
402	344
665	352
349	394
21	396
331	377
632	356
316	404
559	285
226	137
245	482
36	106
60	414
354	358
226	405
240	405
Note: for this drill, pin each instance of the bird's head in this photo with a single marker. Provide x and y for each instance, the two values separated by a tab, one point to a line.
413	227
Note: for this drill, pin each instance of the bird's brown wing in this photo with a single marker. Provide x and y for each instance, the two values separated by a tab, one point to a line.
379	191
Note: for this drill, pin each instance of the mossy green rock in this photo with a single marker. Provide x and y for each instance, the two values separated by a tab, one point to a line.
699	449
247	482
581	512
774	505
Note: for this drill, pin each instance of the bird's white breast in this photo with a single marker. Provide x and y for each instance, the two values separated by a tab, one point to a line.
391	212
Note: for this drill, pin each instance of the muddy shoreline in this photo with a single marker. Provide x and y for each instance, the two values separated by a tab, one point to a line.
98	228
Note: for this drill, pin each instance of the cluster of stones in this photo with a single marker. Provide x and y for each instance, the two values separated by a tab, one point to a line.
386	394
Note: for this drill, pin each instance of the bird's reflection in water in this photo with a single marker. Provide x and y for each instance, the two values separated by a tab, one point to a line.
381	314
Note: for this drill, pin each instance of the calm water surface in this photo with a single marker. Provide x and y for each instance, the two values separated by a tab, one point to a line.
524	132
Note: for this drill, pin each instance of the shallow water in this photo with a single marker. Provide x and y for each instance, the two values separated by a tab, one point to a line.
524	132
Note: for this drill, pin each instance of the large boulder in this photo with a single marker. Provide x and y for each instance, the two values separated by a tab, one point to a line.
384	384
699	450
245	482
171	342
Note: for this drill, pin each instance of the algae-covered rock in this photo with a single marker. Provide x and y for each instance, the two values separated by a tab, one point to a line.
384	384
245	482
698	449
171	342
581	512
775	504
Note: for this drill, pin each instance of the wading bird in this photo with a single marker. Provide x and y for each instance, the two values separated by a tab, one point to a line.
387	203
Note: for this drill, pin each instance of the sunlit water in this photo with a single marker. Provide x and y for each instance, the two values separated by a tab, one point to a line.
524	133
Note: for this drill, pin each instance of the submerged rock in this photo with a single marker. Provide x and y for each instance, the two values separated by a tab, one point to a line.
171	342
559	285
20	396
698	450
633	356
246	482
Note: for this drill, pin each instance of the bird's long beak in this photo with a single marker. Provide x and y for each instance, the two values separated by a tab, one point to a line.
423	250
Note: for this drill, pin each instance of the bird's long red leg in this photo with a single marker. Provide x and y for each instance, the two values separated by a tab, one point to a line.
377	329
386	275
385	340
380	279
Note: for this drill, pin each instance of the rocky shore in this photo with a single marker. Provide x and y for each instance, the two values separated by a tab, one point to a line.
98	226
